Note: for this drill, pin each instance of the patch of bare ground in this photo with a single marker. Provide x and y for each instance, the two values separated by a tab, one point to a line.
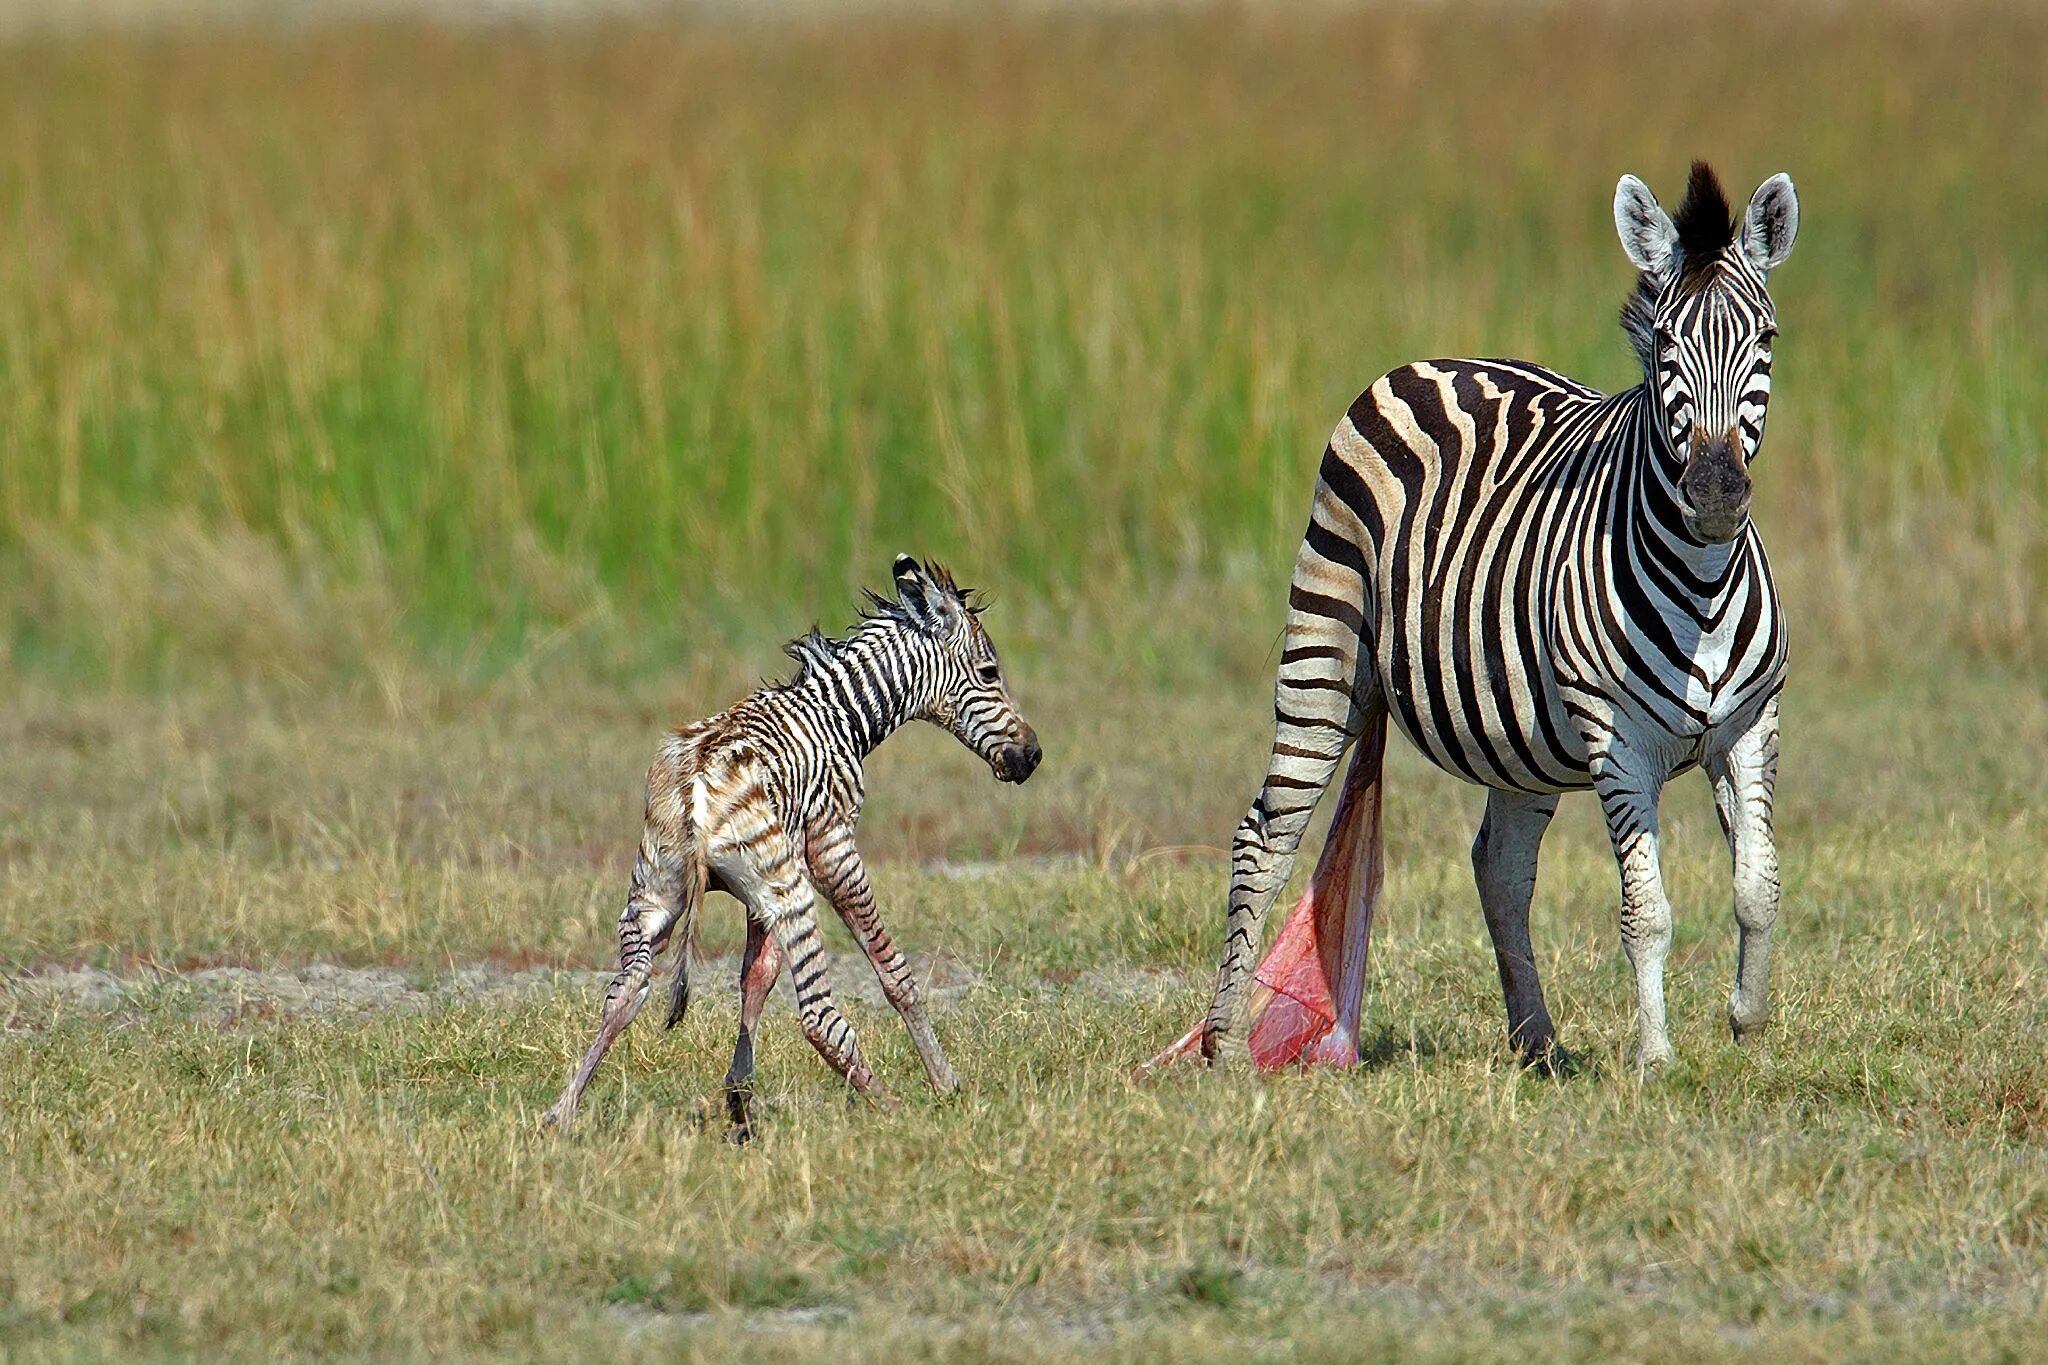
34	995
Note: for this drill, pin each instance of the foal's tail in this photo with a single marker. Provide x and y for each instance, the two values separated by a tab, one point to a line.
691	879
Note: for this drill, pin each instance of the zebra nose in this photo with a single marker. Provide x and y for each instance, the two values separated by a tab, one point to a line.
1018	761
1716	488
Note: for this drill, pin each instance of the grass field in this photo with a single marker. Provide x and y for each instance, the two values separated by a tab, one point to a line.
403	424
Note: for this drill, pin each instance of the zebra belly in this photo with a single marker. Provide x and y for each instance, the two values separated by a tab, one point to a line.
1498	727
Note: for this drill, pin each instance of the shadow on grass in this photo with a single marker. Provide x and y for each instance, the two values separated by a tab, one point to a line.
1386	1047
1390	1048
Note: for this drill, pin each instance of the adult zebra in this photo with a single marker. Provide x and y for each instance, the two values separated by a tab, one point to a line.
1550	590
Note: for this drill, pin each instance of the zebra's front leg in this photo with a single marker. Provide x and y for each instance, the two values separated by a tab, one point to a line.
837	871
782	899
1628	799
1504	865
1744	779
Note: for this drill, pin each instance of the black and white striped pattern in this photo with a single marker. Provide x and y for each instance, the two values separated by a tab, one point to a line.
763	799
1549	590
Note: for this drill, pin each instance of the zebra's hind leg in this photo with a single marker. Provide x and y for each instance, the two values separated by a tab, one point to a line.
1504	864
1308	744
651	912
1744	779
758	970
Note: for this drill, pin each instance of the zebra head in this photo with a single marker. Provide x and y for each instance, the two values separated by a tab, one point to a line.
968	696
1702	323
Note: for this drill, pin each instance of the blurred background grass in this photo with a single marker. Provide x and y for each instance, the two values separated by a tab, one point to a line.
369	351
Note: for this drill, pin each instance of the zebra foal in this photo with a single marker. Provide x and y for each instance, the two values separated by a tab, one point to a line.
1547	589
761	801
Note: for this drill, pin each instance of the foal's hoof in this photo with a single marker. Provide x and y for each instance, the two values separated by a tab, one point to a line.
743	1112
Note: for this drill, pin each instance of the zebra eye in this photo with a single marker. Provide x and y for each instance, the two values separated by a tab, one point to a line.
988	673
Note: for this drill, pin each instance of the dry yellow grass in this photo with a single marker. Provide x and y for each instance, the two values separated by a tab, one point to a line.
190	1174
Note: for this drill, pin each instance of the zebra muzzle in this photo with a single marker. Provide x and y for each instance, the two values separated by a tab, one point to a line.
1715	489
1016	762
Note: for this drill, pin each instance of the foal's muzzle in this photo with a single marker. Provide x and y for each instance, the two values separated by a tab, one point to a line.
1715	489
1017	760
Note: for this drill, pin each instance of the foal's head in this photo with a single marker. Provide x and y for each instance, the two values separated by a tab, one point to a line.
967	693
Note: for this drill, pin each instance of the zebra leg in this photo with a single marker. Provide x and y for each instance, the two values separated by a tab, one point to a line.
1315	720
780	897
1744	779
837	871
1629	801
1504	864
758	970
652	908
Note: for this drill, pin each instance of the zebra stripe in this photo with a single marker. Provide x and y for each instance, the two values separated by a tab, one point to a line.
762	801
1549	589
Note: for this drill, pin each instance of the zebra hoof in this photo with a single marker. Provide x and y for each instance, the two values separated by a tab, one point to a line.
1227	1050
1744	1023
1552	1063
1651	1061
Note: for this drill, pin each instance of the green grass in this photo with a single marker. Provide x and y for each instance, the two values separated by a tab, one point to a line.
324	350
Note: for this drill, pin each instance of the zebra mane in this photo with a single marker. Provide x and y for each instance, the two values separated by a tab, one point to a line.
1706	228
1639	320
814	650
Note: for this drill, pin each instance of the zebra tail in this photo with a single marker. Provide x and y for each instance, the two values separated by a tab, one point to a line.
693	876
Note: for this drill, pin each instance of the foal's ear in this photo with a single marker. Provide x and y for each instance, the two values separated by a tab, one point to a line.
1647	232
920	593
1771	223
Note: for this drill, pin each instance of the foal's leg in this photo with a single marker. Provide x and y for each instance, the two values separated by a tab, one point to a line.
1744	779
758	970
779	895
1504	863
836	869
1628	798
651	911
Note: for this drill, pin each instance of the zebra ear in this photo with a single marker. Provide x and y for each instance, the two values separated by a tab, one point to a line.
1771	223
914	591
1647	233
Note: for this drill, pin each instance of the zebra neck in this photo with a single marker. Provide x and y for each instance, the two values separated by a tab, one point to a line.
873	688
